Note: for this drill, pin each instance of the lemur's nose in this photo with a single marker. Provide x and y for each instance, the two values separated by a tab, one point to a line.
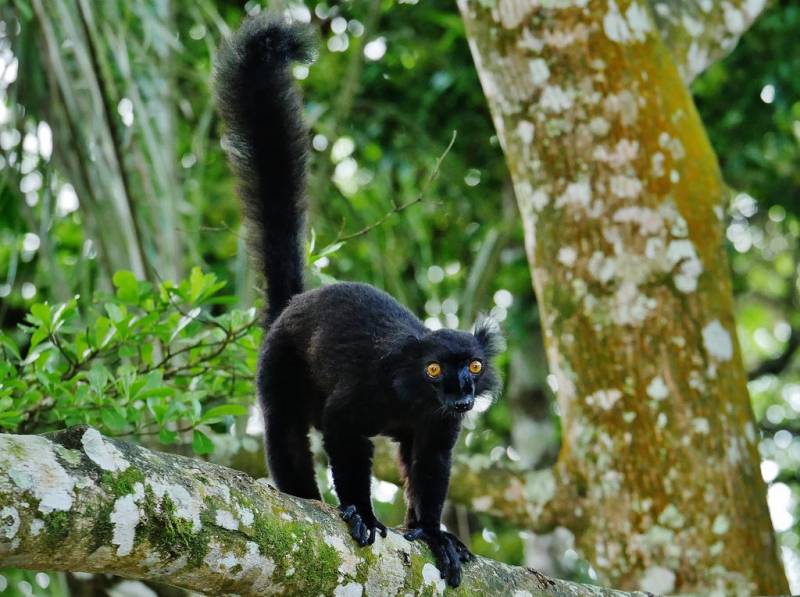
466	382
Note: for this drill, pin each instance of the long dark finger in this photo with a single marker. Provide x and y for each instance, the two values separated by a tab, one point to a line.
371	538
443	561
455	574
413	534
382	529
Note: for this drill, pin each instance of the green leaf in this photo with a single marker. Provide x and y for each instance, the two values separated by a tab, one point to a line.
127	286
38	335
329	250
42	313
166	436
113	419
98	377
184	321
201	443
223	410
115	312
8	343
103	331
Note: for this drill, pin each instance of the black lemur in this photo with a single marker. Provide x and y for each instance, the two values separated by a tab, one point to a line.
345	358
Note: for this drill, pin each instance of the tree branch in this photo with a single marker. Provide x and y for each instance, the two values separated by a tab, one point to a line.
536	500
700	32
778	364
79	501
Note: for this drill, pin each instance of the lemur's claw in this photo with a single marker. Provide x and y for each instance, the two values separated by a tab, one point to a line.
448	550
362	527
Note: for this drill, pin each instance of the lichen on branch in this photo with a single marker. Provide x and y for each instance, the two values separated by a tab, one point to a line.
79	501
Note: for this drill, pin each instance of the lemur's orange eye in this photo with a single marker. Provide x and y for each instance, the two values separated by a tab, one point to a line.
475	367
433	370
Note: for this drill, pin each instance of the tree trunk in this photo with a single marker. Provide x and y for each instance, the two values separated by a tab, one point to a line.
621	200
80	502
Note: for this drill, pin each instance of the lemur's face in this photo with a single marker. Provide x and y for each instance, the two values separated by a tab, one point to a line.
447	369
454	378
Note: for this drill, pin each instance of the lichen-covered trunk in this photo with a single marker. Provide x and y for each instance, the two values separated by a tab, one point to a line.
621	200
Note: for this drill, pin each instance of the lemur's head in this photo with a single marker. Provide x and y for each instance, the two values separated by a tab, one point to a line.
446	370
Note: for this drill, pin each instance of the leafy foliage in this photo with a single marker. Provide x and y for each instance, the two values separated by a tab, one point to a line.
151	360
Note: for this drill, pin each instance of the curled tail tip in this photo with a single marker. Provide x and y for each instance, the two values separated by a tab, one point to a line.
267	39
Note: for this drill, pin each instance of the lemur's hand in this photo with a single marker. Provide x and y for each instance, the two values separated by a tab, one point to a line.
448	550
362	525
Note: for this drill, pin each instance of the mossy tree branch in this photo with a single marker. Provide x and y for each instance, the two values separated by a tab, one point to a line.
81	502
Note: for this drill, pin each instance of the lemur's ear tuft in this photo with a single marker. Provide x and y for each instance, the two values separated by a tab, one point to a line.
490	337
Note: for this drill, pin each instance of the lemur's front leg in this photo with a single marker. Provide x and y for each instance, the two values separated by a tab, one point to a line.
350	455
428	477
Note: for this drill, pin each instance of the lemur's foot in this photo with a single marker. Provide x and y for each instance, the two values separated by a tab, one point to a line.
363	525
448	550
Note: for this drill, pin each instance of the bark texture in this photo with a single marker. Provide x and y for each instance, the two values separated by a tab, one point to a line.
621	200
78	501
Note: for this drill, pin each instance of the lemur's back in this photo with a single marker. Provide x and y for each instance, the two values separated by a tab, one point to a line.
343	329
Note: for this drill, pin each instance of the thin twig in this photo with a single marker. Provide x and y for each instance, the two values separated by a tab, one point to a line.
400	207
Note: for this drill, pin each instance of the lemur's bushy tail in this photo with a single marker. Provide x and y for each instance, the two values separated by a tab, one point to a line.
262	109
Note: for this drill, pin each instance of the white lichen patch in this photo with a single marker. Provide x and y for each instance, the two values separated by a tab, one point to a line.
102	453
601	266
657	389
599	126
623	153
431	577
567	256
718	341
700	425
226	520
555	99
734	19
604	399
125	517
721	524
681	253
32	466
352	589
250	567
671	517
625	187
388	575
658	580
539	71
349	560
186	507
222	492
525	132
9	523
576	194
632	26
649	220
36	526
245	515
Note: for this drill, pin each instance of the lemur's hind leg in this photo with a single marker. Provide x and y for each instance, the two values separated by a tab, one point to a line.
284	398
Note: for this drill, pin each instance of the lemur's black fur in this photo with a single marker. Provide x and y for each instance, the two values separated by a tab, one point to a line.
346	358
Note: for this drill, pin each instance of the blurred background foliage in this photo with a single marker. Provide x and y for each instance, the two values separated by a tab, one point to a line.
111	161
